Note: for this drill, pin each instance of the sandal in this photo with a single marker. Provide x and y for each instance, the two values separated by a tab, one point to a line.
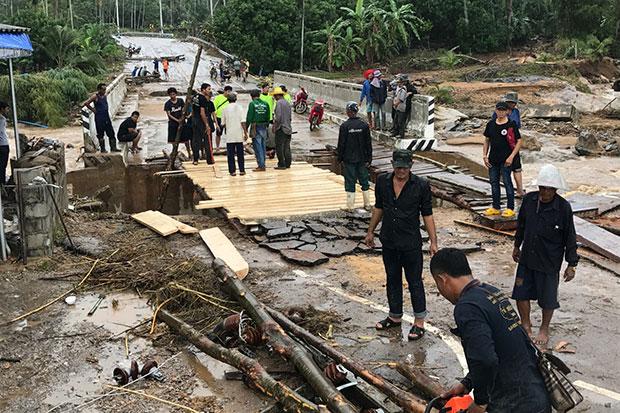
418	331
387	324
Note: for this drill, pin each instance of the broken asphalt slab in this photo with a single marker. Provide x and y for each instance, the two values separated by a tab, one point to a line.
305	258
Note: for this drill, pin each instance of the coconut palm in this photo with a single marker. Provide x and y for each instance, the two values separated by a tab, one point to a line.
59	45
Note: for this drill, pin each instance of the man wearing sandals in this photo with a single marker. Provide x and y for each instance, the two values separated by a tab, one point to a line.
545	234
400	198
502	362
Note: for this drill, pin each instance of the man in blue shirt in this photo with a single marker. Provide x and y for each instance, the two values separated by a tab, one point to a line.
512	98
502	362
366	95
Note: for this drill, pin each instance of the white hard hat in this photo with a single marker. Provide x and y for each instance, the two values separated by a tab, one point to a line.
550	176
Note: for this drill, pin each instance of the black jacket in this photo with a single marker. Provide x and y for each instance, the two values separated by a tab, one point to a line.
378	95
501	359
354	142
546	233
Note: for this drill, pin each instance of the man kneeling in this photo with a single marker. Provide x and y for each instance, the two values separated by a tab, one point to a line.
501	359
128	132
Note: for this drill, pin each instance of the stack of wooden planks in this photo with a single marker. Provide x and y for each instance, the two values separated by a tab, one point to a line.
301	190
162	223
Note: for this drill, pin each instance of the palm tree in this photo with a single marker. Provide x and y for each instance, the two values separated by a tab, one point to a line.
348	48
59	45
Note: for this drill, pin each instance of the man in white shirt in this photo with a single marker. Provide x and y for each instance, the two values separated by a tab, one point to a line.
235	134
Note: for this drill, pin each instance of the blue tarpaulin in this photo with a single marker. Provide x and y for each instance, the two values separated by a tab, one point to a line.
14	45
14	42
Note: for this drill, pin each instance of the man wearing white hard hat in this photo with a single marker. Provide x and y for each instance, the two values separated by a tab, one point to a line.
545	235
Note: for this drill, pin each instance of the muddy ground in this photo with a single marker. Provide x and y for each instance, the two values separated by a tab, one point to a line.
60	359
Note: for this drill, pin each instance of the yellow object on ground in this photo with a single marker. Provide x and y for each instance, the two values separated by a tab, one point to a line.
508	213
492	211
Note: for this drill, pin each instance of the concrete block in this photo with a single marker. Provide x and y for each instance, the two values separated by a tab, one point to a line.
39	210
38	241
38	225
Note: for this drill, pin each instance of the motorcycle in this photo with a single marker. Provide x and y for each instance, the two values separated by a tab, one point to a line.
316	114
300	104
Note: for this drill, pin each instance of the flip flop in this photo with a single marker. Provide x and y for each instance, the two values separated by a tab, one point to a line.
418	331
387	323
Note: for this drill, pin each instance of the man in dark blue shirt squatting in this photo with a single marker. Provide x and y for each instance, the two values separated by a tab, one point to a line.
502	363
545	234
400	198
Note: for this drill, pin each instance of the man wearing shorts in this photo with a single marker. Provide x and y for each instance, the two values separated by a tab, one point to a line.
103	122
174	110
545	235
128	132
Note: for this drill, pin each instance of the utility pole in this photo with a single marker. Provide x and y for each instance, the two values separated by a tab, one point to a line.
118	20
70	13
161	18
303	21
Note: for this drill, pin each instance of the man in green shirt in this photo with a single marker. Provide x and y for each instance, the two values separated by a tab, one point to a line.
271	136
257	121
220	102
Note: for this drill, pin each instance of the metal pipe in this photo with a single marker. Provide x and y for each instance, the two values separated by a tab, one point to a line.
18	149
2	235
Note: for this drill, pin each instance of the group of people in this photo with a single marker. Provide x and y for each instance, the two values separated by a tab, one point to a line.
141	71
499	344
240	67
376	90
212	118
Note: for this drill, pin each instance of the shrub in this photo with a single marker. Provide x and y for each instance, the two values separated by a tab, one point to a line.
443	94
449	60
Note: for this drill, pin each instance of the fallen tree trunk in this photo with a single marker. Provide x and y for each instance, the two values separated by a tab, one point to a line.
290	401
407	401
457	200
281	343
428	387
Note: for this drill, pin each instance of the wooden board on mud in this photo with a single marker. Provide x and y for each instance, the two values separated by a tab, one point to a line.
163	224
221	247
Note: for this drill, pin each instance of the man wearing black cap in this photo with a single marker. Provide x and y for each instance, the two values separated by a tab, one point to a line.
355	153
401	197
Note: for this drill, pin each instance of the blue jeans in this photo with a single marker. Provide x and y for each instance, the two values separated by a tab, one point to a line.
258	143
496	190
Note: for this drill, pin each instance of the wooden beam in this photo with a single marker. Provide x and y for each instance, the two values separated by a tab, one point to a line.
221	247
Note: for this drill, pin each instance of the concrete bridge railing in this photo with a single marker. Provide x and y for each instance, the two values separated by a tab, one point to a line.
116	92
338	93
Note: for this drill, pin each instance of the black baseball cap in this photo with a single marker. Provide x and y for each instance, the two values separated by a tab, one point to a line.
502	104
402	158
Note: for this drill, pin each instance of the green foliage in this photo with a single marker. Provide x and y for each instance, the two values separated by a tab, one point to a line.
449	60
47	97
443	94
589	47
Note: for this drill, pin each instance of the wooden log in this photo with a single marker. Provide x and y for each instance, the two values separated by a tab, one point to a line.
455	199
408	402
280	342
428	387
263	381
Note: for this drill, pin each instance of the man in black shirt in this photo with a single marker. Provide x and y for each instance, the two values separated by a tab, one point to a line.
355	153
502	362
545	233
203	123
174	110
501	146
401	197
128	132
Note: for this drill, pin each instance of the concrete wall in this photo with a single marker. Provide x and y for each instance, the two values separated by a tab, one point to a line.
116	92
337	94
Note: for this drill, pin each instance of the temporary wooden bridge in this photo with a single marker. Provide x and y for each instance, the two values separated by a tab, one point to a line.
301	190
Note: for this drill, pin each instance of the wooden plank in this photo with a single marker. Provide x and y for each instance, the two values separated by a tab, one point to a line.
221	247
482	227
599	260
597	239
162	226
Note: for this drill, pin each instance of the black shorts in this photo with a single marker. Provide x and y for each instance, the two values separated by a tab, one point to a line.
128	138
536	285
516	164
186	133
238	72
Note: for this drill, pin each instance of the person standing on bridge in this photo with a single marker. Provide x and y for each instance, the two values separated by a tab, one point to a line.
502	362
400	107
500	148
4	142
237	68
221	101
174	111
103	123
166	65
282	128
378	95
257	121
236	133
512	99
545	234
355	153
202	123
366	95
400	198
271	137
156	65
